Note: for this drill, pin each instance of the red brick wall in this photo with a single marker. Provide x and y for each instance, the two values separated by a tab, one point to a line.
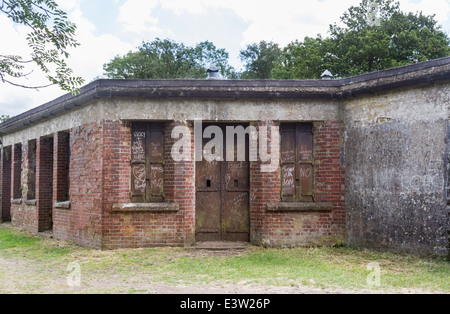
290	229
180	185
144	229
100	178
34	217
82	223
23	216
330	176
265	187
44	183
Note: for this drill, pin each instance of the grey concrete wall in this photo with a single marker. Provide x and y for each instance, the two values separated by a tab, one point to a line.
181	110
395	162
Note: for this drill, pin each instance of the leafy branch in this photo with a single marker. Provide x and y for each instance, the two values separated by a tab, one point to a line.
51	36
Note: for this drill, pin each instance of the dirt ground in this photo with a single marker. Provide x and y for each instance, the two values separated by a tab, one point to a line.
24	277
25	274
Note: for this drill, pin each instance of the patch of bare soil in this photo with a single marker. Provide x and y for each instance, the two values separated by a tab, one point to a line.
23	277
18	276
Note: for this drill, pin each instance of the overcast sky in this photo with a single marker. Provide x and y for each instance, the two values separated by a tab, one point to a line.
107	28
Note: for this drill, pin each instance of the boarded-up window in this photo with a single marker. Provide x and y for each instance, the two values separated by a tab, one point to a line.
297	162
147	163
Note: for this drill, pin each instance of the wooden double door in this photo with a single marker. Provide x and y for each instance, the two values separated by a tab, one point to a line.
222	194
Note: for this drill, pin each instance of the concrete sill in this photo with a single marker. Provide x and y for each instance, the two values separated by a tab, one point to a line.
62	205
30	202
299	207
16	201
146	207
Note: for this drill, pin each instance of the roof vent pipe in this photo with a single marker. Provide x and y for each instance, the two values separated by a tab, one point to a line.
326	75
213	72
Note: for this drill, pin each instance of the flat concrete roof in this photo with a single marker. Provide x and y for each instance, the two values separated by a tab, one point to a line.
413	75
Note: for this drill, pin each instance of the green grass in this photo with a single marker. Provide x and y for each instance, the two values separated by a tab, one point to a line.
327	268
10	239
14	243
322	267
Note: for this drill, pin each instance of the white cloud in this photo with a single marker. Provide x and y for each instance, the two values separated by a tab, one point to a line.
288	20
189	6
281	21
68	5
136	16
440	8
95	50
14	100
86	60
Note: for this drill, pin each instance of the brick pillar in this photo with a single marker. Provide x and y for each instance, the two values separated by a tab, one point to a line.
265	187
44	183
180	182
23	209
330	174
5	184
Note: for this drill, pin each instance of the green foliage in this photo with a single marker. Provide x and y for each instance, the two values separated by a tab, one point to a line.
369	41
4	118
375	35
305	60
51	35
260	59
167	59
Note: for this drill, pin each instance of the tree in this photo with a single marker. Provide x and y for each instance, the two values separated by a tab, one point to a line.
167	59
375	35
396	39
4	118
260	59
303	60
160	59
206	54
51	35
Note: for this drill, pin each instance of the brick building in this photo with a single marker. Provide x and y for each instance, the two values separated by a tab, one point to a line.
362	161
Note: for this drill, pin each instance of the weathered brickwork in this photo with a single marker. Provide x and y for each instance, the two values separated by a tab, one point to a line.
265	187
23	214
379	163
44	183
144	228
330	176
310	227
180	186
82	222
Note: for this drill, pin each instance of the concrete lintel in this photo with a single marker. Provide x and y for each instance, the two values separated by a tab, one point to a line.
16	201
299	207
146	207
62	205
30	202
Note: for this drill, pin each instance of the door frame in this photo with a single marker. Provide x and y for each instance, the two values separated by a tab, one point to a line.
221	188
